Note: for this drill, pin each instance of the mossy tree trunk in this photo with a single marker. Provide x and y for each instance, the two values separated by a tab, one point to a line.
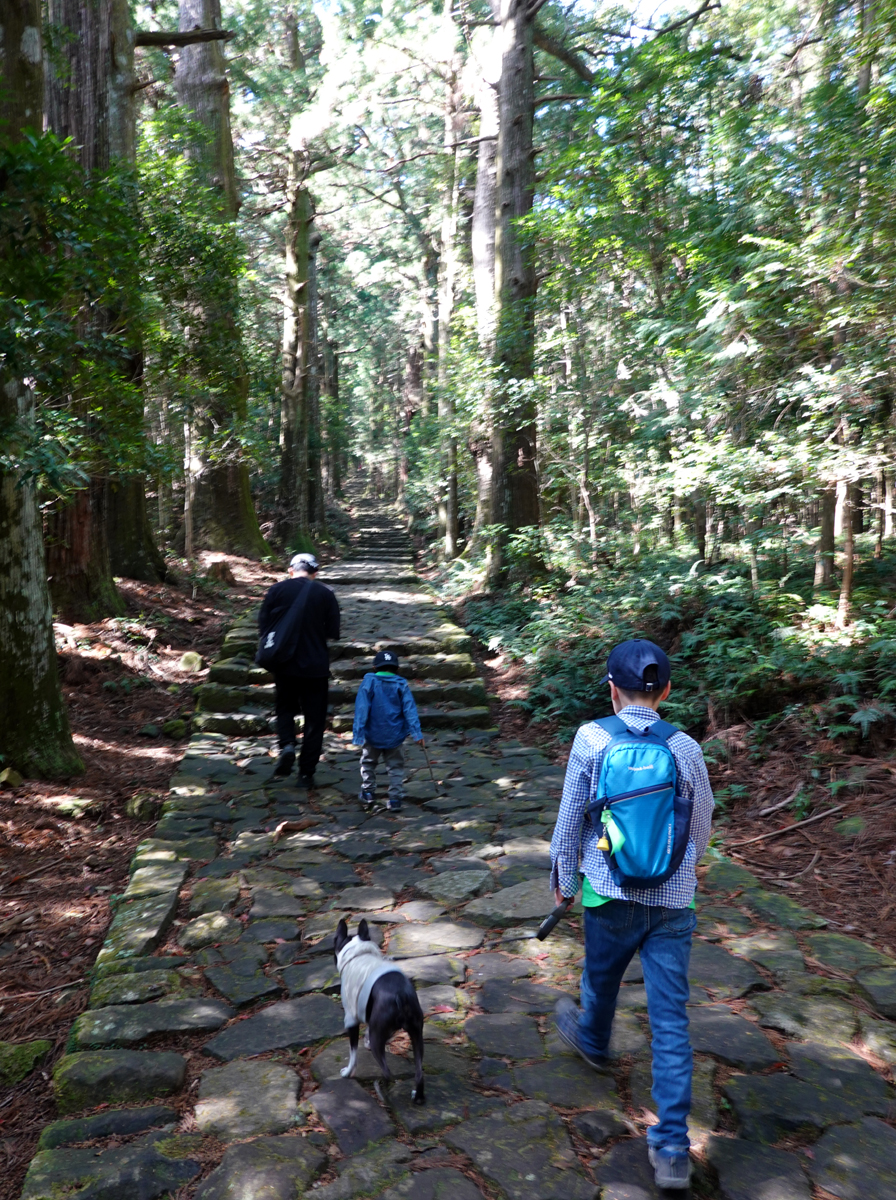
293	497
35	737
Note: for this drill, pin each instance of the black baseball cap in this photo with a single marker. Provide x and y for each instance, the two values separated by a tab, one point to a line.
638	666
386	660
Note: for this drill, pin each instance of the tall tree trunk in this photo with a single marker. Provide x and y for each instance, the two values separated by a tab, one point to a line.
482	238
224	516
132	548
514	478
844	605
824	552
447	274
35	737
315	376
293	495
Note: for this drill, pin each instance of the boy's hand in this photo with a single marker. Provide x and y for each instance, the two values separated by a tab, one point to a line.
558	896
420	741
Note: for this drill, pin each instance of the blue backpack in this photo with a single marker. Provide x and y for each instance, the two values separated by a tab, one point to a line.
646	822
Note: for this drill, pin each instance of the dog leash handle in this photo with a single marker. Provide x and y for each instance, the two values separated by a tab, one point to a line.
550	922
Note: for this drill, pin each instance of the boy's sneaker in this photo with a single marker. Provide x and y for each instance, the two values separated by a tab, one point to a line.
284	763
394	806
671	1168
366	797
566	1018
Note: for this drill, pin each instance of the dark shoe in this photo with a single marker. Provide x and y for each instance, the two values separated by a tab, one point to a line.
566	1018
394	806
671	1169
284	763
305	781
366	798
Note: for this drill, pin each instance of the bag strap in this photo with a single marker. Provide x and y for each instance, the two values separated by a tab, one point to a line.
612	725
663	730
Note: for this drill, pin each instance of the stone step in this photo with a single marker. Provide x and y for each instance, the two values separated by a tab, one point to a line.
430	718
220	698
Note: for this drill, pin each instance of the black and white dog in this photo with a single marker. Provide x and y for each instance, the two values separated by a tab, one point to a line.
376	992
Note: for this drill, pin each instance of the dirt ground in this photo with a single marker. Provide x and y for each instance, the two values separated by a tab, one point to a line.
65	849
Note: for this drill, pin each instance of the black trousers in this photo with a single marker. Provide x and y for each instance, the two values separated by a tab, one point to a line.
308	697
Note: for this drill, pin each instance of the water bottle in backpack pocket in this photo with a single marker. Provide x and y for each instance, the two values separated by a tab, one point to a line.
645	821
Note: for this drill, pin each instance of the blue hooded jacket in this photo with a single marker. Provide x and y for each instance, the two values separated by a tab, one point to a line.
385	712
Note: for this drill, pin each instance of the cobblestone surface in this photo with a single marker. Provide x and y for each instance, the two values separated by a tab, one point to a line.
214	1027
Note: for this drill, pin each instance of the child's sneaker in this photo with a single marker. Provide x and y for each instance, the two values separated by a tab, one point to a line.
394	806
671	1168
365	797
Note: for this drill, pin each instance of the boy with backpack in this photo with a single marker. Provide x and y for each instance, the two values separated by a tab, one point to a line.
633	823
385	714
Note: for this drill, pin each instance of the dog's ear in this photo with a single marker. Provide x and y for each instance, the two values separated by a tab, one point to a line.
363	931
341	936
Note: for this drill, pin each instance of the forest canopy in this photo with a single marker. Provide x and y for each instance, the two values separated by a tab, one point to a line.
602	296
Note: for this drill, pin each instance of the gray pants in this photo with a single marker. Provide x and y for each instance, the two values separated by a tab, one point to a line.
394	760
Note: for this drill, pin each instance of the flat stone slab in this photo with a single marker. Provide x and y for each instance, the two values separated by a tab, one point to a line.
116	1122
284	1025
410	941
433	969
240	987
505	1035
332	874
750	1172
856	1162
438	1183
329	1063
769	1107
155	880
810	1017
879	1037
719	918
449	1099
140	1169
498	966
270	1168
527	901
267	904
208	930
625	1173
362	850
364	1174
716	1030
318	976
115	1076
520	995
351	1114
139	927
137	988
879	985
844	953
727	976
842	1073
566	1083
599	1126
454	887
125	1024
214	895
781	910
525	1151
246	1098
360	899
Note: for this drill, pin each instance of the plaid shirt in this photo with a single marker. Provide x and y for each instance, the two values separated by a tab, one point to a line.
575	836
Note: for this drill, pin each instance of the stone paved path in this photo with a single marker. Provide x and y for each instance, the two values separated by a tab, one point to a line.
208	1063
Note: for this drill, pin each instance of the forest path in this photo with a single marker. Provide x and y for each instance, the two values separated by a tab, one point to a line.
208	1063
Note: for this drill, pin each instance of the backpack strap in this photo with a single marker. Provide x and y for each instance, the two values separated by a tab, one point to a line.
663	730
613	725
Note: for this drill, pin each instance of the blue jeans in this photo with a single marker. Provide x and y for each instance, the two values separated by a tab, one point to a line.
613	932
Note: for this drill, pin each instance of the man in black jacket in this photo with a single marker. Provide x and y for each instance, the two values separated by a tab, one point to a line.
300	683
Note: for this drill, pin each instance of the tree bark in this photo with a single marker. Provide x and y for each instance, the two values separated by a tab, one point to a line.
824	552
514	478
294	528
316	508
224	517
132	549
482	238
844	605
447	281
35	737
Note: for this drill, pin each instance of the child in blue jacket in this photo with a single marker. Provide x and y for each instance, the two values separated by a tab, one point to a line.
385	714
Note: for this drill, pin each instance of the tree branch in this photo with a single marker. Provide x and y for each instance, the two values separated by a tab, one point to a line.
554	47
152	37
679	24
565	96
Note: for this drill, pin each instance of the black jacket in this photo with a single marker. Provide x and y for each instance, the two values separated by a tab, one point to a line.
320	621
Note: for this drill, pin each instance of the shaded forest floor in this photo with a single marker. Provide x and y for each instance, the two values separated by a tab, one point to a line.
65	849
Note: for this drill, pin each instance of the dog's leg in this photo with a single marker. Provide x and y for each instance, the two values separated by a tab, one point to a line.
415	1031
353	1052
378	1040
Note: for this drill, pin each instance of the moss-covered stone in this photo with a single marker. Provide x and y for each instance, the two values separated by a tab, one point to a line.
138	988
208	929
18	1059
115	1077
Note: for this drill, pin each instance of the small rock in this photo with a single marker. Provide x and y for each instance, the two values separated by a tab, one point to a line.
10	778
191	661
116	1122
144	806
209	929
176	728
598	1127
246	1098
148	731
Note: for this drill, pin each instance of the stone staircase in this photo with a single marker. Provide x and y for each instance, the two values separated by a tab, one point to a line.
383	607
